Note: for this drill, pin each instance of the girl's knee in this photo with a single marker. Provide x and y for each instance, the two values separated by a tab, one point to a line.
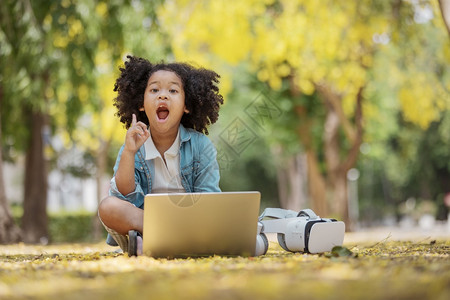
107	205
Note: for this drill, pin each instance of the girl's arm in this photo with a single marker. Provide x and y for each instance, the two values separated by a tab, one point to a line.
136	135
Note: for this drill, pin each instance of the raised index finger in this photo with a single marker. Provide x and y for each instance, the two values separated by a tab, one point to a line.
133	120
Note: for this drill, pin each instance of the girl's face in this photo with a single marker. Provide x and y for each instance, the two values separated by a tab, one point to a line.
164	102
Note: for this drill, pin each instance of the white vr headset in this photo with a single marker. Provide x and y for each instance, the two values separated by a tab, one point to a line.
298	232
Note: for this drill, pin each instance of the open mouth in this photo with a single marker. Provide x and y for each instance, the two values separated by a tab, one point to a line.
162	112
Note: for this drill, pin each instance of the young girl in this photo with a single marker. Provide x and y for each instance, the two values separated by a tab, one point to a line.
166	108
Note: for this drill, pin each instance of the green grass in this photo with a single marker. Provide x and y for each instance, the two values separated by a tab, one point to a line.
385	270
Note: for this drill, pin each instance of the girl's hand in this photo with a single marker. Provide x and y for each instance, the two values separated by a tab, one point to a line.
136	135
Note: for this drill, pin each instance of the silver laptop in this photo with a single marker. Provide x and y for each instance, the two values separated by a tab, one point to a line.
200	224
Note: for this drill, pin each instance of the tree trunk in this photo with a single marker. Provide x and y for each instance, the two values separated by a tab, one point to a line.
292	182
316	184
9	232
336	181
337	194
35	219
315	179
328	188
337	165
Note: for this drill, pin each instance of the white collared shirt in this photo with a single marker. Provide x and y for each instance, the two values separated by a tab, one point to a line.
167	175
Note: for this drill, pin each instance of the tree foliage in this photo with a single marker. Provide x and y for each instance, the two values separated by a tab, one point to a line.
323	43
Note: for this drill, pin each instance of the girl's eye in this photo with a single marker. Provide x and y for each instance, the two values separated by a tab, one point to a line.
154	90
173	91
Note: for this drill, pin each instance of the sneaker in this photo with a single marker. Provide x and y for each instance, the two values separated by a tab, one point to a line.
139	242
134	243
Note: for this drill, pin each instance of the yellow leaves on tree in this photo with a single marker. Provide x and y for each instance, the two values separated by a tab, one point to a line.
315	42
102	9
309	40
63	36
422	101
108	126
97	125
221	28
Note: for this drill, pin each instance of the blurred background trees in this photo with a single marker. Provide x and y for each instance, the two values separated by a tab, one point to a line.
326	103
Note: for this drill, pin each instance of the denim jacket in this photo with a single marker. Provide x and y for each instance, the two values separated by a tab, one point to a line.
198	167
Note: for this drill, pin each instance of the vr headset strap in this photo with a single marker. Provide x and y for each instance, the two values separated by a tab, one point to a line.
278	213
308	213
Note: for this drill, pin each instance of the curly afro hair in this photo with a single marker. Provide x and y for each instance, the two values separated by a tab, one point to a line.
202	98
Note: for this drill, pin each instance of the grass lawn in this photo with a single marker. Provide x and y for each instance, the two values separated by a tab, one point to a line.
375	270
